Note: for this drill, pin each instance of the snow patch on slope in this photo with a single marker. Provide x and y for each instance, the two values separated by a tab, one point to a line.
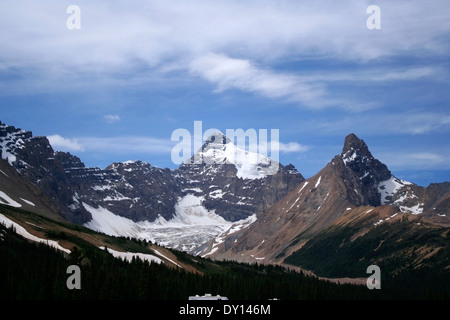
128	256
416	209
5	199
235	227
304	185
165	257
318	182
385	219
28	202
190	211
192	225
24	233
389	187
109	223
349	158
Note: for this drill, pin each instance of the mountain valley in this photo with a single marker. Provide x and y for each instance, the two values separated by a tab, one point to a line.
351	214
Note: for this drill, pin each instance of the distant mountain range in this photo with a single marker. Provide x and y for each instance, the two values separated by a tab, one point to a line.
351	214
197	201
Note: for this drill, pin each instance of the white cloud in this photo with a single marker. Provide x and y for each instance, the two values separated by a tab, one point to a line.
64	144
111	118
119	39
412	122
292	147
310	90
410	160
427	156
228	73
408	74
415	122
369	75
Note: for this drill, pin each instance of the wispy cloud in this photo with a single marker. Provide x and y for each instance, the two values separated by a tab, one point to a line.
111	118
412	122
292	147
112	145
427	156
310	90
424	160
377	75
228	73
127	145
60	143
119	39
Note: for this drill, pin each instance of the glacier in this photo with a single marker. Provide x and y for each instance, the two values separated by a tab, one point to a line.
192	225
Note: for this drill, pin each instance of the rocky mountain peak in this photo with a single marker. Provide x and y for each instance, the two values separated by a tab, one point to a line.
358	158
360	172
352	142
217	138
355	149
234	182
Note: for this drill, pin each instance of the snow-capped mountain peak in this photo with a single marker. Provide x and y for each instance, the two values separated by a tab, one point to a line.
219	149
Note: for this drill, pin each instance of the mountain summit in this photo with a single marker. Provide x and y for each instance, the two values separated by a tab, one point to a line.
352	142
365	172
216	138
220	150
234	182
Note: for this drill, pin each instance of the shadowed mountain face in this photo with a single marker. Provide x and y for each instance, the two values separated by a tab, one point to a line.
141	192
365	172
16	191
34	159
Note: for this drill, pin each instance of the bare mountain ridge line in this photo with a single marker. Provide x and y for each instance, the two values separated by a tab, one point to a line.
289	210
352	142
136	189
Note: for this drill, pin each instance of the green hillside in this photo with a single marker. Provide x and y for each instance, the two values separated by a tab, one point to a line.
413	257
33	271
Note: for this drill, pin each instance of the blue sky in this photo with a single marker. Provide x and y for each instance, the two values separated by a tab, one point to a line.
135	71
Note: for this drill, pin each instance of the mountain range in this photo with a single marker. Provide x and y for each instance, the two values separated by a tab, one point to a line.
352	199
351	214
181	208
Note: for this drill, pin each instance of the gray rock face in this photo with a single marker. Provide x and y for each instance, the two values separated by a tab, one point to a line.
365	172
232	197
133	189
140	191
34	159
